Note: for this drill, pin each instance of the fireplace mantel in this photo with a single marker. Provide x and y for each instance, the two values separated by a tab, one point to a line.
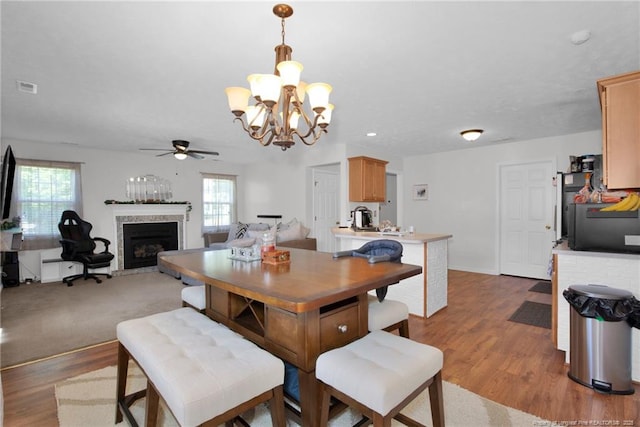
127	213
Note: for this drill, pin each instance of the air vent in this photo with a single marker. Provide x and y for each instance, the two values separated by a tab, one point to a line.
27	87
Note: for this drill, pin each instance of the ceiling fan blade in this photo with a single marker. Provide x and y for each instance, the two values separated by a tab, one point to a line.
213	153
194	155
164	154
155	149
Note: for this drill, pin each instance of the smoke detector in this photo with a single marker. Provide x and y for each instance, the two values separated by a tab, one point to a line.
27	87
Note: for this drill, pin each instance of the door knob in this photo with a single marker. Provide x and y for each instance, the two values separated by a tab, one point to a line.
548	227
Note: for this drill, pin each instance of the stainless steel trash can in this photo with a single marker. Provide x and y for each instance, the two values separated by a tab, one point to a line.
600	350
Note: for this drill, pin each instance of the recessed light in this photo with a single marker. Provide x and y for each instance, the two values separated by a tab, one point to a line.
371	134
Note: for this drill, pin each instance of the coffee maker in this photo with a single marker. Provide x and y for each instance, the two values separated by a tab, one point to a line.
362	218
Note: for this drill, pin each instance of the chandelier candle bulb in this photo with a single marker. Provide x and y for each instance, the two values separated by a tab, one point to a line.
238	98
318	96
290	73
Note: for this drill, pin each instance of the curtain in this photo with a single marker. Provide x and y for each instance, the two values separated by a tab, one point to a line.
218	202
42	191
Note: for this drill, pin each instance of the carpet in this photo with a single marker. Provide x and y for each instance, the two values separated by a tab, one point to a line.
89	400
541	287
533	313
45	319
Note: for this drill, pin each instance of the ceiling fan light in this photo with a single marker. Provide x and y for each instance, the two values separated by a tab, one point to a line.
180	156
319	95
471	134
238	98
290	72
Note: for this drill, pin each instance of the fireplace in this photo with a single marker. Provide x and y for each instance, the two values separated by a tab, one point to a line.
143	241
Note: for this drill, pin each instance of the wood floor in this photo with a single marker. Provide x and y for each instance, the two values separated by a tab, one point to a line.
507	362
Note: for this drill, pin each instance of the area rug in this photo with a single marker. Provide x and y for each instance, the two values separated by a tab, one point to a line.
541	287
533	313
89	400
45	319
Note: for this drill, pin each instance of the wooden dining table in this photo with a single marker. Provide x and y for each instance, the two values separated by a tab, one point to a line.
295	310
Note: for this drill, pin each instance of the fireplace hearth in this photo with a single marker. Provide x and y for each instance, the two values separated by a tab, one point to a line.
143	241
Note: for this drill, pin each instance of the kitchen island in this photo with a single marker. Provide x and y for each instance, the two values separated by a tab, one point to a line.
425	293
616	270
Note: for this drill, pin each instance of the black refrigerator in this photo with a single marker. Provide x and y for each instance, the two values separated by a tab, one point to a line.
567	186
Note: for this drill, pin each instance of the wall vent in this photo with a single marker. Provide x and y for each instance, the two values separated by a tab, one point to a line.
27	87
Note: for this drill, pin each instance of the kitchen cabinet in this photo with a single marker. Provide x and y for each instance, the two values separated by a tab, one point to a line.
620	103
367	179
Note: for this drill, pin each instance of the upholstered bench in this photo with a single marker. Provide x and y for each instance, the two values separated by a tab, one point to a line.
379	375
204	372
194	296
388	315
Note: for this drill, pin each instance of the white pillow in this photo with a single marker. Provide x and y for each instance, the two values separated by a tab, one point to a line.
245	242
295	232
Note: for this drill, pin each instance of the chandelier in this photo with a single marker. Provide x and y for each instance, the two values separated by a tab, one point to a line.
279	97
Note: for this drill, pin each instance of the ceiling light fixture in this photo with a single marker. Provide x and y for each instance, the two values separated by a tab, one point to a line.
471	134
279	100
180	156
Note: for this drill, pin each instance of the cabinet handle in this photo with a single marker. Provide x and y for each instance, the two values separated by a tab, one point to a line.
342	328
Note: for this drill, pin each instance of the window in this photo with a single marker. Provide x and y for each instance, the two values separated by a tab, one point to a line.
218	202
42	191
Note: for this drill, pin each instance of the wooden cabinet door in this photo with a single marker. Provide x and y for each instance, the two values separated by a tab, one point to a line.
620	101
367	179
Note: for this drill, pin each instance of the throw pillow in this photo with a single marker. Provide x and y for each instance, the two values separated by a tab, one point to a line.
294	232
242	243
241	230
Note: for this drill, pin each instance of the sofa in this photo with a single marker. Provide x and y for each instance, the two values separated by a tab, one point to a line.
288	235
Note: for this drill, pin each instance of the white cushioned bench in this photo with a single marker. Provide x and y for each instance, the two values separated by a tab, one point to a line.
379	374
203	371
388	315
194	296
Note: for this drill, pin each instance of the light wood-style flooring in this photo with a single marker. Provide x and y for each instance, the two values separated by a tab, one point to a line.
510	363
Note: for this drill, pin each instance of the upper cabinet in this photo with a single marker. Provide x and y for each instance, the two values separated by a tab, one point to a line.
367	179
620	103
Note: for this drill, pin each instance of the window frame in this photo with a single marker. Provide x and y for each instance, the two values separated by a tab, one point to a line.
71	200
231	212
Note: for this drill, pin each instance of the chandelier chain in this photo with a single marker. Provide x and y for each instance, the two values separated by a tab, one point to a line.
282	25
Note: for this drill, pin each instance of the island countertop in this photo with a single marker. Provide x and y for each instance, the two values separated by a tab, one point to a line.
408	238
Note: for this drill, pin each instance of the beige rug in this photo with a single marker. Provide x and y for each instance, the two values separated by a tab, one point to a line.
45	319
89	400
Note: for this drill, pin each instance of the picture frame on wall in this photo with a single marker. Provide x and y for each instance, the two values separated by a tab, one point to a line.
421	192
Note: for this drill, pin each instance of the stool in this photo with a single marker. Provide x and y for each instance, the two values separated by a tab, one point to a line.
379	375
205	373
388	315
194	296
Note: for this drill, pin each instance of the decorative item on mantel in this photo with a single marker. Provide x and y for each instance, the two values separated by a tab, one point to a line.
148	188
151	202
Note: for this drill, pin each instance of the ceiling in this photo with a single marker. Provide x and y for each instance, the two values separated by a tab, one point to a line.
130	75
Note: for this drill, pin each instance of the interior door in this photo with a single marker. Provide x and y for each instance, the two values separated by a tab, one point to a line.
526	219
389	209
326	190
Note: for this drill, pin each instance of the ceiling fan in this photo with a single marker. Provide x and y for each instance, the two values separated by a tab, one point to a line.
181	150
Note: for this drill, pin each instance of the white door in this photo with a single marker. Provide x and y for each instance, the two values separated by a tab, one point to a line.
326	189
526	219
389	209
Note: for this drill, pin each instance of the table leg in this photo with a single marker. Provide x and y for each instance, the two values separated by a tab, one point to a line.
309	398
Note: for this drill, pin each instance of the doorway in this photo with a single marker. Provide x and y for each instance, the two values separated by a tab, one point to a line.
526	209
326	192
389	209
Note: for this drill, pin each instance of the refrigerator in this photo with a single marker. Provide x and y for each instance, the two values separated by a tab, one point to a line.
567	185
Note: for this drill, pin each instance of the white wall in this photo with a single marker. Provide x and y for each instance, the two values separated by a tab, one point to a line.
463	189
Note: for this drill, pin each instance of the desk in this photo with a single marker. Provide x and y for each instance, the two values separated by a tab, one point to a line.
295	311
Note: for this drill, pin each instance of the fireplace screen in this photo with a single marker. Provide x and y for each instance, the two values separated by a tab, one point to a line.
143	241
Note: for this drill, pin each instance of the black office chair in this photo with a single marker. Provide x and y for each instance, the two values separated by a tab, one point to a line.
79	246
